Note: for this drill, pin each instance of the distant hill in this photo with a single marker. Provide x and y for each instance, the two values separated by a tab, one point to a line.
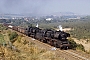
64	13
40	14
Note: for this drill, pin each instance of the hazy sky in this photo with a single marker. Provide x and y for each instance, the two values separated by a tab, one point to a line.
44	6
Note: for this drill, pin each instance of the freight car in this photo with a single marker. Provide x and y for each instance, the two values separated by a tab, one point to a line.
31	31
52	37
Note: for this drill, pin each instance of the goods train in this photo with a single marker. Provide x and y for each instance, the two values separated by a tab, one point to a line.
54	38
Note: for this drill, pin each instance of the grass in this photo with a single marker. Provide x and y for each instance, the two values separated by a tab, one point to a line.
27	50
2	39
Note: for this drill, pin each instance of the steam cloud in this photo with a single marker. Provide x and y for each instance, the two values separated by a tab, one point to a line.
60	27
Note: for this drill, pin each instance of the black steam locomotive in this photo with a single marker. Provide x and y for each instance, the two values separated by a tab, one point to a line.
52	37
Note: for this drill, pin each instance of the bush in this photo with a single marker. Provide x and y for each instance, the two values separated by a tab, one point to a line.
12	36
80	47
72	43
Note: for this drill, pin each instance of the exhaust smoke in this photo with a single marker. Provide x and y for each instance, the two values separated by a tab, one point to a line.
60	27
37	25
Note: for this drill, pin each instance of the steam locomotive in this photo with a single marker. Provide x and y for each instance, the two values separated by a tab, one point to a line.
54	38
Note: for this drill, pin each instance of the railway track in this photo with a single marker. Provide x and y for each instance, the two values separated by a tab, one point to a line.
74	55
87	56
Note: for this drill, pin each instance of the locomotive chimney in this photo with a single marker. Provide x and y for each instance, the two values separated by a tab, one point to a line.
60	27
37	25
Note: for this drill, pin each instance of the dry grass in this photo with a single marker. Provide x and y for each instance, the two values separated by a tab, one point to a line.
26	51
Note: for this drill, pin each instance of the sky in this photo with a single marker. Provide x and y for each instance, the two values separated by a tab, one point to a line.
44	6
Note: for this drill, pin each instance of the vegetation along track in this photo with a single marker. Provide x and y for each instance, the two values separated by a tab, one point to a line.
66	54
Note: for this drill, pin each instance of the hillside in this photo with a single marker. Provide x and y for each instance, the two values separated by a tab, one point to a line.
23	49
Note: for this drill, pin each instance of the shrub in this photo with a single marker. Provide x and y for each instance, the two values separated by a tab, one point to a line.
12	36
80	47
73	44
